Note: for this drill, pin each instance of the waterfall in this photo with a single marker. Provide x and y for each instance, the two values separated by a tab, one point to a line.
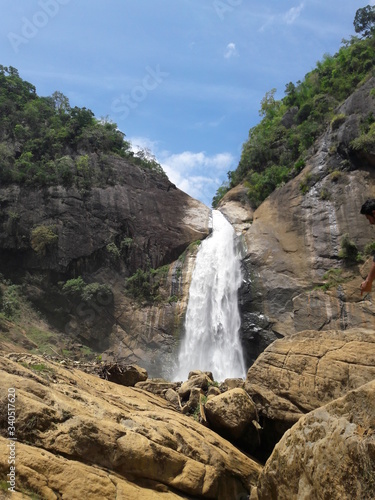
212	324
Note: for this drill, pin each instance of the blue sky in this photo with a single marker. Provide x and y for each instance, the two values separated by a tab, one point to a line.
183	78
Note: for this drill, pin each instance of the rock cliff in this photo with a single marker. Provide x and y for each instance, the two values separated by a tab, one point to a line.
292	242
51	235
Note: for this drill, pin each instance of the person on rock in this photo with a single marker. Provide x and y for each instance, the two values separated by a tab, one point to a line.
368	210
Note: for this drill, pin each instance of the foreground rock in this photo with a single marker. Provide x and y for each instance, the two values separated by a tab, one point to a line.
128	375
329	453
233	414
116	440
300	373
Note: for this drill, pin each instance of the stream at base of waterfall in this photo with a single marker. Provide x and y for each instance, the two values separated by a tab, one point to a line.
212	341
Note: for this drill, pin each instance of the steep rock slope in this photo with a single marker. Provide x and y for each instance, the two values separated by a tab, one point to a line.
295	238
51	235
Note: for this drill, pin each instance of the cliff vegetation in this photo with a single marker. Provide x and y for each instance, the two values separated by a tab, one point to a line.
44	141
278	147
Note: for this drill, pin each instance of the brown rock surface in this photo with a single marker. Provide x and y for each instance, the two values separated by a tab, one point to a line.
45	475
306	370
231	413
329	453
104	429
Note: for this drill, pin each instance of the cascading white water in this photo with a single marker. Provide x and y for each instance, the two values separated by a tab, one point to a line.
212	324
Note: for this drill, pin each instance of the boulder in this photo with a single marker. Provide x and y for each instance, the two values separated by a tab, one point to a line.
156	386
304	371
41	474
172	396
193	404
128	375
104	429
300	373
197	380
231	413
328	453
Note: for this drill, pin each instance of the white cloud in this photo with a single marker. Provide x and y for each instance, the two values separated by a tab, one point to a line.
138	143
230	51
293	13
196	173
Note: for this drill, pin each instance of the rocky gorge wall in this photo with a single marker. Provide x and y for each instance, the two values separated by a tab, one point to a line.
292	241
105	235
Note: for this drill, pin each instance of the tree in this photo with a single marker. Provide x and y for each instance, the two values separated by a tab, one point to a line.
364	21
268	105
61	102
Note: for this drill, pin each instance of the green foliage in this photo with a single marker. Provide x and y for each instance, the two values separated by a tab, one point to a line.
44	141
349	251
299	165
333	279
364	21
337	121
126	243
43	237
93	291
220	193
88	292
41	367
261	185
191	247
43	339
370	249
4	485
309	106
306	183
324	194
74	286
144	285
113	251
172	299
335	176
10	301
366	141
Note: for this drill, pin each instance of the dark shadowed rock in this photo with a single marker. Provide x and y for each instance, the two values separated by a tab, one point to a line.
127	375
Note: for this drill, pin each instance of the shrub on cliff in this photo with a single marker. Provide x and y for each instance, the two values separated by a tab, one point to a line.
43	237
144	286
349	250
77	288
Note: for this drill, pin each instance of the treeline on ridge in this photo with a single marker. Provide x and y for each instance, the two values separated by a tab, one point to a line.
278	146
45	141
